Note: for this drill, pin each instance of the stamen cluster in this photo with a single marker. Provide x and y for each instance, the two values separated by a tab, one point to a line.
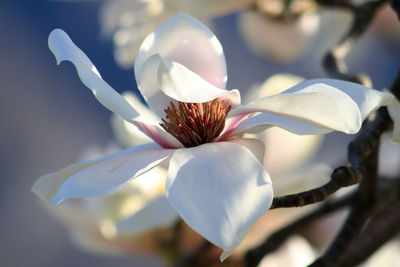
194	124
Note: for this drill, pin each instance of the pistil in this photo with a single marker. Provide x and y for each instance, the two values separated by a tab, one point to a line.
194	124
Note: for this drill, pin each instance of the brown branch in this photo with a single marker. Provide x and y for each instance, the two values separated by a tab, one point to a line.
333	62
396	7
380	230
359	214
274	241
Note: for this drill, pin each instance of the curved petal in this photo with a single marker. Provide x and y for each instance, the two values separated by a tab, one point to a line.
64	49
99	177
317	104
155	214
220	190
181	84
263	121
165	81
367	100
175	41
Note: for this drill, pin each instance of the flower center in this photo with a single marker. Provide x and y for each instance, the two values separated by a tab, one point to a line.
196	123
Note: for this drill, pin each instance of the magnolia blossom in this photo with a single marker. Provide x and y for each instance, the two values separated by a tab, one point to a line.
215	180
130	21
285	40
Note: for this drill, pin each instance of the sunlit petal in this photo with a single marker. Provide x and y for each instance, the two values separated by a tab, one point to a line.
175	41
64	49
218	195
181	84
316	107
99	177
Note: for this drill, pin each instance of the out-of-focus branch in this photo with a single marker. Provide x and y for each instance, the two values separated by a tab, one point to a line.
333	62
388	192
255	255
396	7
380	230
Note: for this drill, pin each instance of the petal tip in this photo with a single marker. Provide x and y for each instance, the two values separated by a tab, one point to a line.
225	255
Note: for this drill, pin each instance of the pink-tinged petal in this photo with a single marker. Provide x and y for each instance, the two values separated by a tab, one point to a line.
220	189
64	49
176	41
157	213
180	83
317	104
159	136
101	176
231	124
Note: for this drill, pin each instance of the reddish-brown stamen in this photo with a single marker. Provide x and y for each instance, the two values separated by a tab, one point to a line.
194	124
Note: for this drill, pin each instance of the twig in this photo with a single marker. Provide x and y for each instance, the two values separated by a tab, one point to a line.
358	215
255	255
382	228
333	62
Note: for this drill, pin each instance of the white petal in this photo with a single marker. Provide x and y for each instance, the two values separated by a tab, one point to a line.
219	189
322	106
256	146
166	81
46	187
263	121
181	84
176	41
367	100
64	49
155	214
99	177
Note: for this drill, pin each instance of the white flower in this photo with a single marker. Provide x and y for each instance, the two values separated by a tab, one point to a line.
286	40
216	181
130	21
